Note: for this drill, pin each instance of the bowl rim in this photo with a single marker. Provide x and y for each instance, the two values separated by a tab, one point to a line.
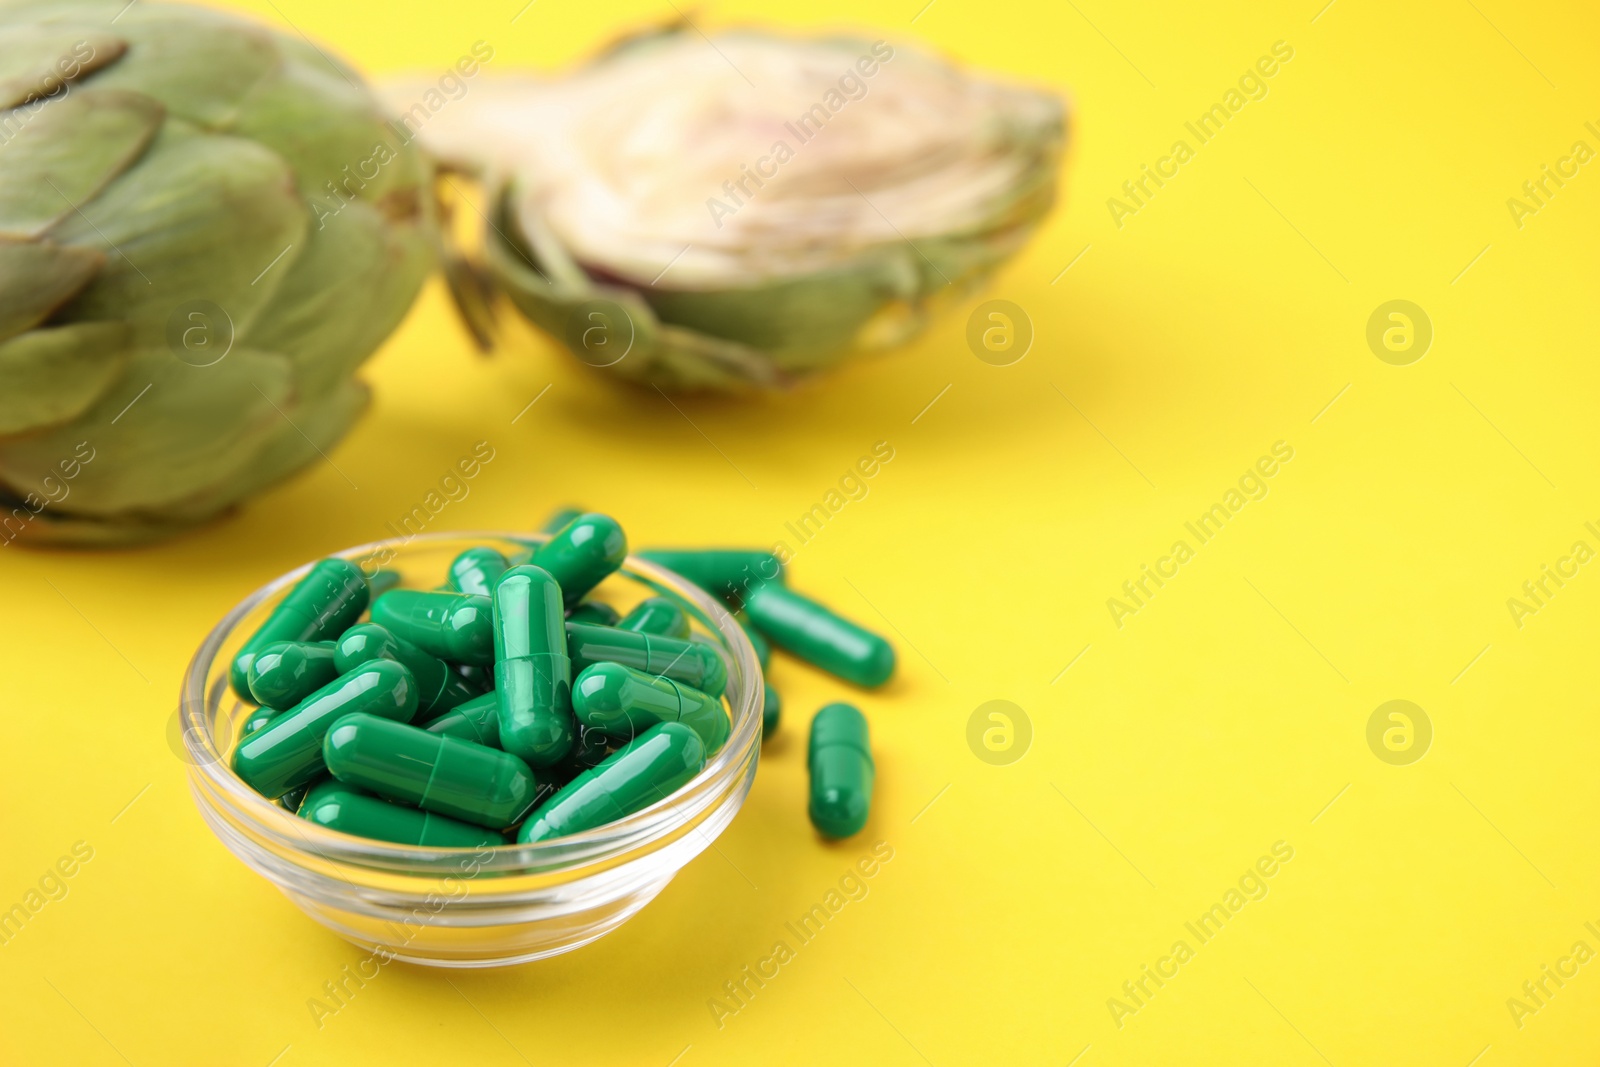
624	837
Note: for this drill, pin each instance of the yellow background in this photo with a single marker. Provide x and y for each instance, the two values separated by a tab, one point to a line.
1223	717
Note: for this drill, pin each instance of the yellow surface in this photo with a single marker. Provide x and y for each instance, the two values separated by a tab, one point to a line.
1227	714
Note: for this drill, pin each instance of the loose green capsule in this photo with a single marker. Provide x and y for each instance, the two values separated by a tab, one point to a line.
560	519
582	553
476	720
283	674
656	615
771	712
722	572
475	570
452	626
696	665
839	758
439	688
287	752
623	703
818	636
436	772
353	811
258	718
331	596
649	768
594	612
532	673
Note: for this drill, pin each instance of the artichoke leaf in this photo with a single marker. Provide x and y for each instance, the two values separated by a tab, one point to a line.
305	53
528	276
36	278
472	292
200	67
549	289
68	151
348	289
38	523
798	321
52	375
545	252
306	434
60	12
886	297
165	433
158	226
342	147
657	354
38	61
689	361
547	286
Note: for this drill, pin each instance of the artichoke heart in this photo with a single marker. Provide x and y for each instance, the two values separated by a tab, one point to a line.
698	213
184	297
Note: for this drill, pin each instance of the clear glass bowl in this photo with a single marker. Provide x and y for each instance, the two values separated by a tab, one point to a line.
463	907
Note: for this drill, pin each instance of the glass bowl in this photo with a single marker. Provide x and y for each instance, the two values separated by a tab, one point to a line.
452	907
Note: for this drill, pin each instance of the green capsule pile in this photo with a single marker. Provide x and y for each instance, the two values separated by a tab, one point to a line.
507	706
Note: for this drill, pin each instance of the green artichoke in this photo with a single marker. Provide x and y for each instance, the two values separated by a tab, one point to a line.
750	209
205	226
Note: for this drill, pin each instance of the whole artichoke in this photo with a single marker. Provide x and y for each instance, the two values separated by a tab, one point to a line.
205	226
695	213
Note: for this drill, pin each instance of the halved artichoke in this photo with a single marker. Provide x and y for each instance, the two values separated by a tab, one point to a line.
695	213
205	226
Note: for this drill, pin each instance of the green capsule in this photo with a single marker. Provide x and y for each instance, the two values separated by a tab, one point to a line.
560	519
287	752
594	612
436	772
656	615
475	570
696	665
476	720
284	674
453	626
818	636
582	553
331	596
258	718
722	572
353	811
839	758
771	712
647	769
623	703
532	673
439	687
